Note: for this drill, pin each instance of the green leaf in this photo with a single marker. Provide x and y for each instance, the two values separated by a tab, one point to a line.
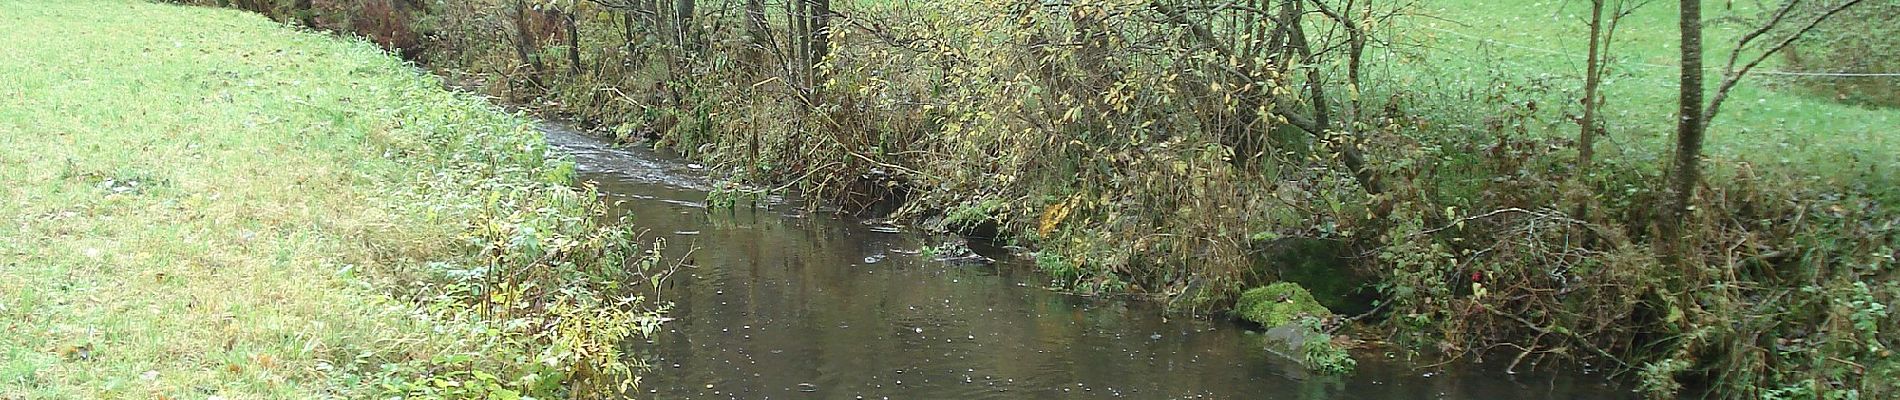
504	394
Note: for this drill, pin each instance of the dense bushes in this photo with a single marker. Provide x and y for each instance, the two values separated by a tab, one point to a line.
397	25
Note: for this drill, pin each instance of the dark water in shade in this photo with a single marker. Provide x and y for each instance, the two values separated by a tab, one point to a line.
782	304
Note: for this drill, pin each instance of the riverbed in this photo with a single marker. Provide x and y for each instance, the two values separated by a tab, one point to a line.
780	303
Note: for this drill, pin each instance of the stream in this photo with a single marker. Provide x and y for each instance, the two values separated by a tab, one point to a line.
779	303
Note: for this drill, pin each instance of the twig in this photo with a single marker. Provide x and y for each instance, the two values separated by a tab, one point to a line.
1543	330
1342	323
1735	76
1549	214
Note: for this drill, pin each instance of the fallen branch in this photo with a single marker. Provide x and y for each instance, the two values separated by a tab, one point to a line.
1545	330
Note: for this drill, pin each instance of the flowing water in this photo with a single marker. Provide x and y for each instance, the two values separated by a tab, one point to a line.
783	304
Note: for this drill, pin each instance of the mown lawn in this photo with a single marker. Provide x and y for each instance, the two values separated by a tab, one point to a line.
192	201
1474	44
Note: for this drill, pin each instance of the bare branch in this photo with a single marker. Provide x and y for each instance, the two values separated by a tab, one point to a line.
1734	76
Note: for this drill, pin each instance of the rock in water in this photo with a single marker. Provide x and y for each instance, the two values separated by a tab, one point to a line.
1288	340
957	251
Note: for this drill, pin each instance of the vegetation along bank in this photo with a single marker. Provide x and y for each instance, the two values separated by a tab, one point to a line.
203	203
1524	183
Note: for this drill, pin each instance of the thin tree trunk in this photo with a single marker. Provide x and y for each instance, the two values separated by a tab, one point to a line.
820	29
573	43
1256	37
653	8
684	12
1355	58
659	22
525	43
759	34
1592	79
1689	129
1322	114
1318	125
800	20
626	30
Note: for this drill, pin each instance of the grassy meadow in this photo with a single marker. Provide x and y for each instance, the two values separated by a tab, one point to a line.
1541	45
202	203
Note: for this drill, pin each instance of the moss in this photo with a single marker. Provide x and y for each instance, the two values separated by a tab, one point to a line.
1278	304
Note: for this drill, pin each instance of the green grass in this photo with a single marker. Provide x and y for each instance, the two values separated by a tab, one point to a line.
200	202
1475	42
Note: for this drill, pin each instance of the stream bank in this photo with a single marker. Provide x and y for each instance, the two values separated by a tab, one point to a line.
780	302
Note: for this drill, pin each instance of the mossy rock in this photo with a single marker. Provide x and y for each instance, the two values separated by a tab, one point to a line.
1278	304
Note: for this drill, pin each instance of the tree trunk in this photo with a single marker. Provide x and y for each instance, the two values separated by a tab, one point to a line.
1592	79
755	21
657	22
683	21
759	34
626	31
799	19
1690	125
1355	59
525	44
820	28
1296	46
646	10
573	43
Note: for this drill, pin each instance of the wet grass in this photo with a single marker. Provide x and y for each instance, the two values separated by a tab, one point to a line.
1541	46
199	202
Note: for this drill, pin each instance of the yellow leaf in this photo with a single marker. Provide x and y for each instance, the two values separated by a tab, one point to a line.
1055	214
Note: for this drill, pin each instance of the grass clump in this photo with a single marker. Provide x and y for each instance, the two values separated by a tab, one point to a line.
1321	355
201	202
